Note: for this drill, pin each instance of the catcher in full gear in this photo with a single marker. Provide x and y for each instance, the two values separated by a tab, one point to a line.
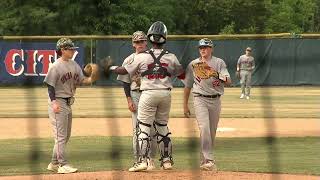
62	79
157	66
131	86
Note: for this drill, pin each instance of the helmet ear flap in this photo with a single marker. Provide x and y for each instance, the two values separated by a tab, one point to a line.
151	38
161	40
157	39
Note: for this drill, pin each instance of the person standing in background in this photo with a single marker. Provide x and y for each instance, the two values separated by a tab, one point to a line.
245	67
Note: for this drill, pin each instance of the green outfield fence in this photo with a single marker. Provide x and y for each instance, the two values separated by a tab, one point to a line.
281	59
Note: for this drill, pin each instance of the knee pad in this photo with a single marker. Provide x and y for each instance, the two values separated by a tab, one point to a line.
143	138
164	142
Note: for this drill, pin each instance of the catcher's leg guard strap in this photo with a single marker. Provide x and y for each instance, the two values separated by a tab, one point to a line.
143	134
164	142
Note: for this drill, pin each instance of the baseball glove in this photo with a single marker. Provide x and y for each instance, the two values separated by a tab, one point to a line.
204	71
238	74
137	79
106	63
92	70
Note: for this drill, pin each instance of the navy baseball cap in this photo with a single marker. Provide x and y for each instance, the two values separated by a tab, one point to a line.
205	42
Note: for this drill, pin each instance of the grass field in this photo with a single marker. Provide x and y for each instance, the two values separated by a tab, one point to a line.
285	155
280	102
294	155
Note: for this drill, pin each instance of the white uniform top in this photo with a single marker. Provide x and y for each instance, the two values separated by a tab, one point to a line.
64	76
246	63
210	86
143	61
135	79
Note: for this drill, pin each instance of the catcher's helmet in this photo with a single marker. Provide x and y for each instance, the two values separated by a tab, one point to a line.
139	36
157	33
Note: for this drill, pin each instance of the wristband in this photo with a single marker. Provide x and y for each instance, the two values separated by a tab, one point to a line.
112	68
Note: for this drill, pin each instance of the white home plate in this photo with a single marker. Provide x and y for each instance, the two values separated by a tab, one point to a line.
226	129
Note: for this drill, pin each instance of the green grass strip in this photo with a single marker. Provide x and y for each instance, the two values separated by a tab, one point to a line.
299	155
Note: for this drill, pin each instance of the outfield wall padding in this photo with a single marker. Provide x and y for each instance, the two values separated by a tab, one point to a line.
278	61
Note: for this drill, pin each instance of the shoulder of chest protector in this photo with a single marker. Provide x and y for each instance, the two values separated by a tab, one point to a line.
150	50
167	52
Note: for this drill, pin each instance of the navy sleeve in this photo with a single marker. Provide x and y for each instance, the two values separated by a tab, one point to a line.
127	89
51	92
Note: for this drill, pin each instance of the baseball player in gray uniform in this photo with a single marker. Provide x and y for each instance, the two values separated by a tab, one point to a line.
245	65
207	76
63	77
131	86
157	67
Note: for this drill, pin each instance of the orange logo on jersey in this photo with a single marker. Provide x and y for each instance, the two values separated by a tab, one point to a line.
158	72
216	83
66	77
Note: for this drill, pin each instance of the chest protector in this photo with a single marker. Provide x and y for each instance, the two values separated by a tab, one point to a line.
156	69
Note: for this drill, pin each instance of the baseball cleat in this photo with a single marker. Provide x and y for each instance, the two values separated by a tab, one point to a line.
53	167
139	166
167	165
66	169
151	165
242	96
209	166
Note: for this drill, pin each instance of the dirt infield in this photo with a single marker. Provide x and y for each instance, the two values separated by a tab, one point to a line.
169	175
180	127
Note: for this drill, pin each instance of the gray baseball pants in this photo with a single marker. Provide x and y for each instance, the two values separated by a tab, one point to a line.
245	81
135	95
61	124
207	111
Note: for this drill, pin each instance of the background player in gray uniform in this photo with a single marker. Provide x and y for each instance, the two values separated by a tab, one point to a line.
207	76
157	68
245	65
131	85
63	77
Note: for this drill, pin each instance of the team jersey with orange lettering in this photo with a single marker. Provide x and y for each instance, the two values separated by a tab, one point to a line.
246	63
144	62
210	85
64	76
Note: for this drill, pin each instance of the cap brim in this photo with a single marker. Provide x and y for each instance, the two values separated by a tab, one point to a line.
75	47
207	46
139	40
